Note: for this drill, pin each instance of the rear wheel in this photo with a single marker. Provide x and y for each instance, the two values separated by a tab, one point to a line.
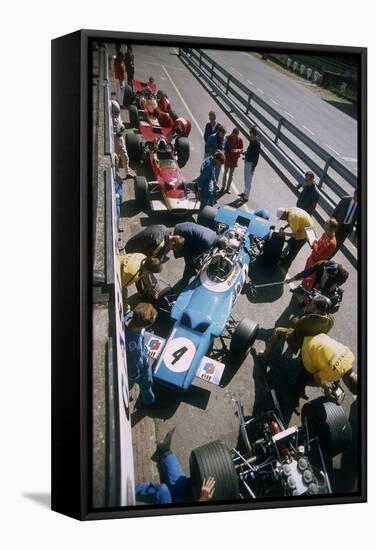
206	217
328	421
182	151
243	338
133	144
128	97
214	459
272	250
141	191
133	116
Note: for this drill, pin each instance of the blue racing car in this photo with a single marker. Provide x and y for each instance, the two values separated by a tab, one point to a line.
203	309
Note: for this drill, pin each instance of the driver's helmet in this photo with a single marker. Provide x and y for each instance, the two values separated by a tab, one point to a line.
219	267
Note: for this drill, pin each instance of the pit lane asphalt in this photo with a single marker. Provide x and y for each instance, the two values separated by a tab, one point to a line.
207	412
333	129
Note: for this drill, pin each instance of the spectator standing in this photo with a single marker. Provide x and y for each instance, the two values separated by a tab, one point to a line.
233	149
251	158
211	127
346	214
129	65
216	142
118	128
138	361
309	196
118	193
119	69
207	179
298	220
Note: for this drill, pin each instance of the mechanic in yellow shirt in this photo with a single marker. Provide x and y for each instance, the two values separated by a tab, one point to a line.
297	220
134	267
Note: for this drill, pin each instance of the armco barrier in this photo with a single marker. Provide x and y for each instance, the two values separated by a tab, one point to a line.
252	109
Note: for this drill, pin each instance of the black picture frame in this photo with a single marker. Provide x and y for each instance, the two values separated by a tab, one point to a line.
71	274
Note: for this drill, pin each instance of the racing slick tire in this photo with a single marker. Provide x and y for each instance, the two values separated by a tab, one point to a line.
243	338
206	217
133	116
328	421
141	191
272	250
129	96
182	151
133	143
214	459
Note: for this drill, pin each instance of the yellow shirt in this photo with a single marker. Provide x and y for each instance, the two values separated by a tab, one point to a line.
298	219
130	268
325	358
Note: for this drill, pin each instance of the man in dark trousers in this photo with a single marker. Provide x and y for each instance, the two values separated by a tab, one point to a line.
211	127
129	65
197	240
251	158
309	196
346	214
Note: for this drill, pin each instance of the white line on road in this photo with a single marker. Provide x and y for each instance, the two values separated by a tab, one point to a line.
273	101
308	130
349	159
240	74
261	91
250	82
195	121
288	114
334	151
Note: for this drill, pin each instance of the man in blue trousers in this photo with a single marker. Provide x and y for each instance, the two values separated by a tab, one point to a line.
177	486
207	179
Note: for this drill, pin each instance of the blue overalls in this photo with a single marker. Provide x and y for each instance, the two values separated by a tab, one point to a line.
176	488
138	362
206	182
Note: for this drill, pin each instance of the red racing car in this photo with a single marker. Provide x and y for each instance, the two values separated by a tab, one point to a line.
169	191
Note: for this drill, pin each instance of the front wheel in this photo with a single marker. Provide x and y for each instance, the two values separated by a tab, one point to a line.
141	191
243	338
133	143
133	116
129	96
206	217
182	151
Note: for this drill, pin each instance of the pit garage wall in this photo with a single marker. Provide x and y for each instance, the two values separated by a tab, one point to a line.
113	470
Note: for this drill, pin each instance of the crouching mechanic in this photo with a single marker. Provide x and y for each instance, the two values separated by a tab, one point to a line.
326	276
138	361
176	487
315	320
134	267
325	361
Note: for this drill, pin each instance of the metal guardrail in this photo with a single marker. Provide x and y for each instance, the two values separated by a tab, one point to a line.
275	129
108	141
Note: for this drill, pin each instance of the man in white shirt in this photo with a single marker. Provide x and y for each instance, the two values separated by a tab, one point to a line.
346	214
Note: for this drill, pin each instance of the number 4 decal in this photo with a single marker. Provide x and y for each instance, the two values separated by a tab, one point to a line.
178	354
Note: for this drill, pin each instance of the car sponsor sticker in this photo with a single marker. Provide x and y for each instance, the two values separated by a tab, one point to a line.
179	354
154	346
210	370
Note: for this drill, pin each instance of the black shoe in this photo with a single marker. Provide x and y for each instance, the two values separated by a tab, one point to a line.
262	361
241	195
165	445
228	191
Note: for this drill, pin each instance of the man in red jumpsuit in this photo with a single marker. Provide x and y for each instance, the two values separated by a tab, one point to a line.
233	150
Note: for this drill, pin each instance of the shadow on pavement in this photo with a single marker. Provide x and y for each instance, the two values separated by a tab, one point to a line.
260	274
168	402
